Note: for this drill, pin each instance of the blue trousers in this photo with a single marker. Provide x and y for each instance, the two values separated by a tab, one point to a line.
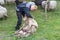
21	11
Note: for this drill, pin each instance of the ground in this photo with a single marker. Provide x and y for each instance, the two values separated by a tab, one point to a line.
47	30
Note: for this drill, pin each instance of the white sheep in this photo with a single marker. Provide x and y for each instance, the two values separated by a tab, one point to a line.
10	1
3	12
1	2
29	27
51	4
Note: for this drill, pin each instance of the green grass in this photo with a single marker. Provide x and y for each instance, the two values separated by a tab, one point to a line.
47	30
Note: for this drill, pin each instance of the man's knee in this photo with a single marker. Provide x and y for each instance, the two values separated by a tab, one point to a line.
19	22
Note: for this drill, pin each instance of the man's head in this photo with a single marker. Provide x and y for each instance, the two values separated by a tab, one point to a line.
33	7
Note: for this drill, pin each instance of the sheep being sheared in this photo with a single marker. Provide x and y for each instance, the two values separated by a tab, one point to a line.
51	4
28	28
3	12
1	2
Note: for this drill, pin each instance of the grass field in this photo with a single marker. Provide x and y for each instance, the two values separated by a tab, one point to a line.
47	30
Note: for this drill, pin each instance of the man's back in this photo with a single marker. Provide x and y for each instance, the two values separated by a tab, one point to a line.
29	4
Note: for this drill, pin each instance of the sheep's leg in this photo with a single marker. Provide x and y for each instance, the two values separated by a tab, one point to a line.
5	16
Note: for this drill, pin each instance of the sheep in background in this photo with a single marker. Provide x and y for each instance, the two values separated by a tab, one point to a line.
10	1
51	4
38	2
1	2
3	12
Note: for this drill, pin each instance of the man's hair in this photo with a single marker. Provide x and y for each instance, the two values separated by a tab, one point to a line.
34	7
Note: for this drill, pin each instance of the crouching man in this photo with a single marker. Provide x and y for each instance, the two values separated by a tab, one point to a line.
23	9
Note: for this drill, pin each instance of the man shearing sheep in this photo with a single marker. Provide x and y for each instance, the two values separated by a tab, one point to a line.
23	9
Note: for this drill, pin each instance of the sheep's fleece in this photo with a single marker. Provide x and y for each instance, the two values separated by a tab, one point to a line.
28	28
1	1
51	4
3	12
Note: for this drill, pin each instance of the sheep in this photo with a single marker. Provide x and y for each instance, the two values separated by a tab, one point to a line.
2	2
3	12
51	5
10	1
28	28
38	2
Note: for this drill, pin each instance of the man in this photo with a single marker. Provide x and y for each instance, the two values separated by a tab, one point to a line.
23	9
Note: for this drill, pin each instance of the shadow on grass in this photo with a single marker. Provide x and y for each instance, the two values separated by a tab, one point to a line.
1	19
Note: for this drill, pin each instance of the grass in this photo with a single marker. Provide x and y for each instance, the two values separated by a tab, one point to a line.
47	30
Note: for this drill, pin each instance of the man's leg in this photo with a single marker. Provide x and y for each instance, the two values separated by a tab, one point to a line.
23	13
19	16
